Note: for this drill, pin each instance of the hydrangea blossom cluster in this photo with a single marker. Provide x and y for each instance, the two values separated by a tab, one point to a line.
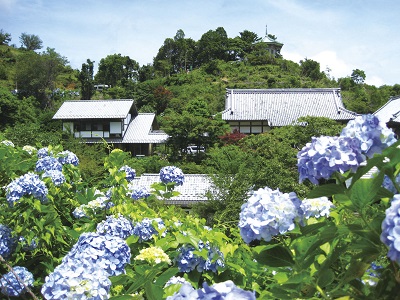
388	184
98	204
138	192
326	155
317	207
129	172
57	177
390	235
145	229
120	227
153	255
11	286
111	253
268	213
8	143
188	261
27	246
175	280
373	134
67	157
7	242
77	279
170	174
29	149
28	184
223	290
43	152
48	163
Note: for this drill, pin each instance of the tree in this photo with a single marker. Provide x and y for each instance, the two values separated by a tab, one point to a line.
36	75
358	76
5	37
118	70
212	45
30	41
310	68
86	78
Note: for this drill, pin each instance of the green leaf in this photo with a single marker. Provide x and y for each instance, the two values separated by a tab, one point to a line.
326	190
277	256
165	276
325	277
364	191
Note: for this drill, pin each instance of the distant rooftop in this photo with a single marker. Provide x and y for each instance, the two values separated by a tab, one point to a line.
390	111
282	107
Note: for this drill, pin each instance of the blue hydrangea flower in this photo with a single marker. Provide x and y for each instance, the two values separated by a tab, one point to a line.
111	253
7	242
326	155
120	227
145	229
390	235
67	157
12	287
43	152
138	192
28	184
268	213
172	174
57	177
388	184
77	279
373	134
188	261
223	290
129	173
317	207
48	163
175	280
8	143
93	207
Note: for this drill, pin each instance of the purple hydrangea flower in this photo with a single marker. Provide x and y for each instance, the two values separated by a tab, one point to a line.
223	290
77	279
326	155
48	163
175	280
317	207
145	229
57	177
390	235
7	242
28	184
129	173
188	261
11	286
138	192
388	184
373	134
172	174
268	213
120	227
67	157
111	253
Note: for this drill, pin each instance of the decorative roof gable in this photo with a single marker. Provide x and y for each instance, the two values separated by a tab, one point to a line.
94	109
282	107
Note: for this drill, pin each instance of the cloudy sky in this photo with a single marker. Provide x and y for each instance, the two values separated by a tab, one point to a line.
341	35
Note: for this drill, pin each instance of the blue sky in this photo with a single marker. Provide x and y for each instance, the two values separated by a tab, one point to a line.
342	35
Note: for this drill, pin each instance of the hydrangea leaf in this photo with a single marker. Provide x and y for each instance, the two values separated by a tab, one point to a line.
326	190
277	256
364	191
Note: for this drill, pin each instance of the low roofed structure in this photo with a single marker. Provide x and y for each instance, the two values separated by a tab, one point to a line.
257	110
390	114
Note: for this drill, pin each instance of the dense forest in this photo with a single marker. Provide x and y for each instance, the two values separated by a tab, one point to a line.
185	86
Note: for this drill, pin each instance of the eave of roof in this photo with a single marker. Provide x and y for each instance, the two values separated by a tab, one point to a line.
390	111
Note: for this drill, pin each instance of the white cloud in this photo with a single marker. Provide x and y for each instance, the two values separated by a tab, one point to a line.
329	59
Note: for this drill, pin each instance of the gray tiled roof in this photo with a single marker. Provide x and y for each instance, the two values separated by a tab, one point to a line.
140	131
282	107
94	109
390	111
193	189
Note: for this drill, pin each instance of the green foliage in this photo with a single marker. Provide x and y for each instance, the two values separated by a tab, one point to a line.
30	42
86	79
5	37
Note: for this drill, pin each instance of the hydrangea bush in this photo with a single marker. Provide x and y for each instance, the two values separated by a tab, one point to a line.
93	242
